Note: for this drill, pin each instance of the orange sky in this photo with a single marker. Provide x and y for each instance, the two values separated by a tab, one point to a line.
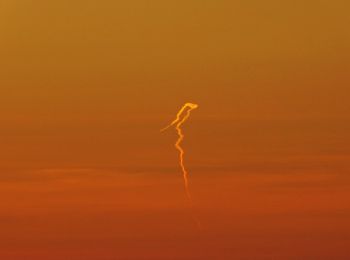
85	87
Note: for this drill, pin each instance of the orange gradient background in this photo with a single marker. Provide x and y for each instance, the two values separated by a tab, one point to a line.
85	87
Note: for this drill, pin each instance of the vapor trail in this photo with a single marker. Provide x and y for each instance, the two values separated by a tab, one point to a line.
178	123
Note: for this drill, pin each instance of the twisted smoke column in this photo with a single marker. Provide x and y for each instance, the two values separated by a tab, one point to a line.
178	123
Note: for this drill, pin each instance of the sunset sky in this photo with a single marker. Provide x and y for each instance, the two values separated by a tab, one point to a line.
85	87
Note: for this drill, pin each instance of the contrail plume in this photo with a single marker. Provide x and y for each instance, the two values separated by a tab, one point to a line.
178	123
181	118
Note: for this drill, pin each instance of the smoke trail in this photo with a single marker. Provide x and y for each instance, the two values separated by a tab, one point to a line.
179	120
